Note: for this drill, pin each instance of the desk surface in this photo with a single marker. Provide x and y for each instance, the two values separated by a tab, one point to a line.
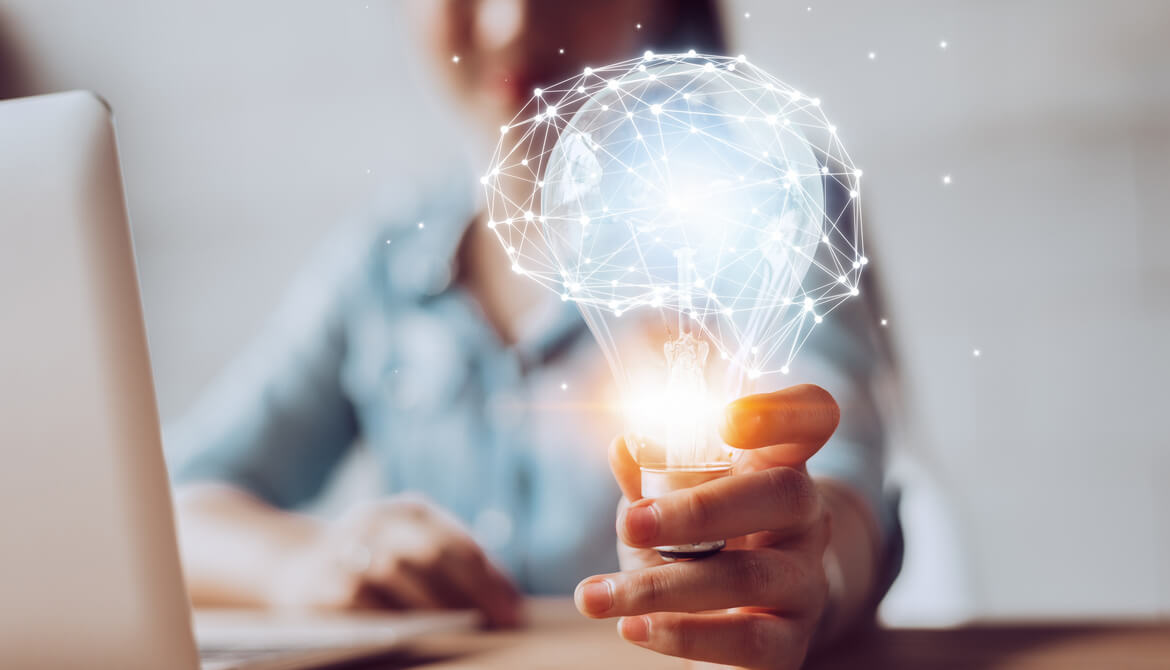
558	637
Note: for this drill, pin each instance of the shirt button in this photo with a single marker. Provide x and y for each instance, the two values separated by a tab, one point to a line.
492	528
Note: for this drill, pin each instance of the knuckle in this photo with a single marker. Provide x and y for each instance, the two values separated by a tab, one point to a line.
702	508
794	492
650	588
684	645
759	640
430	556
753	575
461	555
394	567
411	508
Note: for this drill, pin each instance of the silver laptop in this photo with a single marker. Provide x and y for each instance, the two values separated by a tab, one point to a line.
89	568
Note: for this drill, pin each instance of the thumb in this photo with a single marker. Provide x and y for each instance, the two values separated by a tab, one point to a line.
625	469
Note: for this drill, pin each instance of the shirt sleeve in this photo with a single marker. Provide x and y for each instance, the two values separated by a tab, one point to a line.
277	420
849	358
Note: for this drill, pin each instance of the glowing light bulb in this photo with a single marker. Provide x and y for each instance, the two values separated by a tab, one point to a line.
682	237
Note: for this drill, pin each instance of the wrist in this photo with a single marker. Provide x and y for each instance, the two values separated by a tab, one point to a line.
850	560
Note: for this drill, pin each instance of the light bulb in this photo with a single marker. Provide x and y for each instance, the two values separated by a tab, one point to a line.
703	216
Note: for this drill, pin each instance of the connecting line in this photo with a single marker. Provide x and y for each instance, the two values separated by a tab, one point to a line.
697	186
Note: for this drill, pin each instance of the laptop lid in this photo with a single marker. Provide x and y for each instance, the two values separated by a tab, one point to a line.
89	569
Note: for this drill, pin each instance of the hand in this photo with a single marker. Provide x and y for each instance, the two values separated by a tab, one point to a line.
401	553
757	603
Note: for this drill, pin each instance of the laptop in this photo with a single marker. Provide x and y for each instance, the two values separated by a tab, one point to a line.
89	565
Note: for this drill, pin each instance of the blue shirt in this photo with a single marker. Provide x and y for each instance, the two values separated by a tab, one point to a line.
375	341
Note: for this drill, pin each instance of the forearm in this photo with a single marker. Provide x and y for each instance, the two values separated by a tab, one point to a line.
231	542
851	559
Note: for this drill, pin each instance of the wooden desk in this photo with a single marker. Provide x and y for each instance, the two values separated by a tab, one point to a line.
558	637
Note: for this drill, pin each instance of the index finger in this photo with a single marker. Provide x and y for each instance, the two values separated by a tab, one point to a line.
800	419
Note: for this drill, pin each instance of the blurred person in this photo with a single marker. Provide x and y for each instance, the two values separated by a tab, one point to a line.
412	334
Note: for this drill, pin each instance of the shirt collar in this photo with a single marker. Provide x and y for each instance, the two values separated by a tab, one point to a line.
424	231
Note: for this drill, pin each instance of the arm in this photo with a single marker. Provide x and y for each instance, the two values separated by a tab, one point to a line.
265	439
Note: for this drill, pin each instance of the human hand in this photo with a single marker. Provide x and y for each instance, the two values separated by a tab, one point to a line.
757	603
401	553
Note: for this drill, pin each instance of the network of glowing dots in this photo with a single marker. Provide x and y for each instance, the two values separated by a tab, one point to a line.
683	185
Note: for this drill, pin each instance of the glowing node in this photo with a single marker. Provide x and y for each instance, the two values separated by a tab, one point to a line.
872	55
564	386
976	353
942	44
421	225
885	322
455	59
946	179
561	51
768	234
784	370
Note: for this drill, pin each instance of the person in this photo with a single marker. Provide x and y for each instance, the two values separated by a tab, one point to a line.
412	335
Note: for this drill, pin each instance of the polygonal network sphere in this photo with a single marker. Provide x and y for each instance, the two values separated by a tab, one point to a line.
697	186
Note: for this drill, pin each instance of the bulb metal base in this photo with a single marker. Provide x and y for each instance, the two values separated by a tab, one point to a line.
659	481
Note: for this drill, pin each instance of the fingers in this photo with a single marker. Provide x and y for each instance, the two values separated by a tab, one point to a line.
486	588
741	639
759	578
781	500
625	469
429	562
800	419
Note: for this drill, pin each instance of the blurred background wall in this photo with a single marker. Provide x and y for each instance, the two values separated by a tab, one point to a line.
1035	471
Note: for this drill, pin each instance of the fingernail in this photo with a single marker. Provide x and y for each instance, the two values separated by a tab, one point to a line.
595	597
641	521
634	629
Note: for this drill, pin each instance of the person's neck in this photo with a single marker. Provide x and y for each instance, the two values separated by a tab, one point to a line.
508	301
